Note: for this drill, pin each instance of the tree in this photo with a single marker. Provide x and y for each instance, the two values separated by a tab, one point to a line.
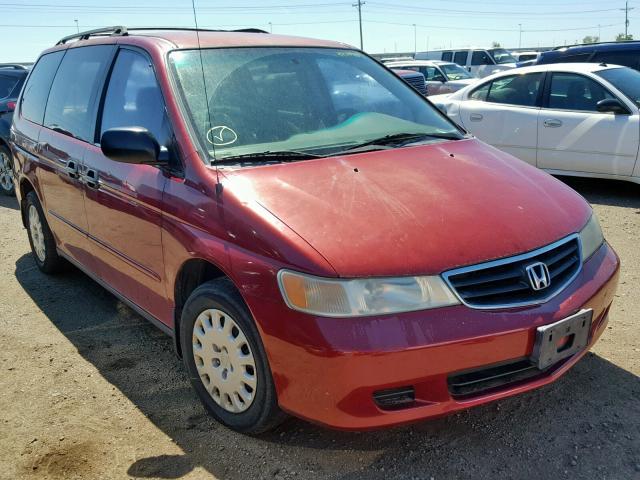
590	39
495	44
621	37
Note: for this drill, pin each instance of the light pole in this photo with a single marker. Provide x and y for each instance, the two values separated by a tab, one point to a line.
77	27
270	27
520	38
415	39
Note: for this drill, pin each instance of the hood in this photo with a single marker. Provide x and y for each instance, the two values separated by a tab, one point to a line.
415	210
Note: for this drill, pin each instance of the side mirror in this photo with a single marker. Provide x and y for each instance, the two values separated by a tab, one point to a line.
612	105
130	145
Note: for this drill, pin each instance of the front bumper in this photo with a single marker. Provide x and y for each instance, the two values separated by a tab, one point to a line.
326	370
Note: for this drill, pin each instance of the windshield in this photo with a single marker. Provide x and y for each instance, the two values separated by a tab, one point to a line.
455	72
500	55
313	100
624	79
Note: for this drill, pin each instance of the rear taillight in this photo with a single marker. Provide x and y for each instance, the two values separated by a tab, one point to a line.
11	106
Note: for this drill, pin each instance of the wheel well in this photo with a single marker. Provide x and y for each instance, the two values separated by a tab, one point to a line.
193	273
25	188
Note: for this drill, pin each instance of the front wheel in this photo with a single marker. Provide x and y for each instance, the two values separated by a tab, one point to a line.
226	361
6	171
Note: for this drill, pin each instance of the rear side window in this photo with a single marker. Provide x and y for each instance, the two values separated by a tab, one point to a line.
134	98
447	56
34	96
520	90
626	59
460	58
480	57
516	90
7	84
73	98
570	91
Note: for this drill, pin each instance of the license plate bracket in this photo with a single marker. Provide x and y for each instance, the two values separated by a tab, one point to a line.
561	339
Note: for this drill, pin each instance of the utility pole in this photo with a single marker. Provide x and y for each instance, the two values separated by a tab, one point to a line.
270	27
359	5
520	38
626	18
415	40
599	38
77	27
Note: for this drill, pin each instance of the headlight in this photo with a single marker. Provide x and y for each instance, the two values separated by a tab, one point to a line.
590	237
361	297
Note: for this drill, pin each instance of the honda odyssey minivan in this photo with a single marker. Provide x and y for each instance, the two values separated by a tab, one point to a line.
318	239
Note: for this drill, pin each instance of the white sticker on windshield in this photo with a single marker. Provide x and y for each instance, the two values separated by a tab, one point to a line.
221	135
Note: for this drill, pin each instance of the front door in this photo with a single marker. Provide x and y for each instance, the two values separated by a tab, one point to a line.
124	201
574	136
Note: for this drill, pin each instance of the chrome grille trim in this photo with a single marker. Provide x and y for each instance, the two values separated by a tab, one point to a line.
554	290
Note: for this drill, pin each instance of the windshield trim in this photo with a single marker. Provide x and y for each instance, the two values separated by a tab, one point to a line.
187	117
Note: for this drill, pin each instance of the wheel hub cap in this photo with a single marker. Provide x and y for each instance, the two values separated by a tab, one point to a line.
37	237
224	360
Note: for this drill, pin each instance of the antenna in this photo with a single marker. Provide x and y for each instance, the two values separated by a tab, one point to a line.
204	85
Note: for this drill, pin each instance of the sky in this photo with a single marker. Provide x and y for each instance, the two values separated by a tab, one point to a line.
29	26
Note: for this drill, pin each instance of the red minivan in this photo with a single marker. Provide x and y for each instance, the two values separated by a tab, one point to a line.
316	236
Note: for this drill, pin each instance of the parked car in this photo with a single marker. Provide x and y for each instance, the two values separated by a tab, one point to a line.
572	119
346	255
413	78
479	61
617	53
12	77
525	56
441	77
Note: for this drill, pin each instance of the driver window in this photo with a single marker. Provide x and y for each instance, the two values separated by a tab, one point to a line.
575	92
480	57
134	98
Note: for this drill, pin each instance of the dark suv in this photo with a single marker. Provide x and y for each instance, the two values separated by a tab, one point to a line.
315	235
626	54
12	76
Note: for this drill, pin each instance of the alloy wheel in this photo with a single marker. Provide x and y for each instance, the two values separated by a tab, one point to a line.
6	175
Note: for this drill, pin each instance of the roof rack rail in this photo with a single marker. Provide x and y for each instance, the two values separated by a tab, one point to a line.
191	29
114	31
560	47
15	66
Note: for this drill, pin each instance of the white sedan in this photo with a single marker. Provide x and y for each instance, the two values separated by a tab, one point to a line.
578	119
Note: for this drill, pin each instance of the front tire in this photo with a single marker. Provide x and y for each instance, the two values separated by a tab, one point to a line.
6	172
226	361
43	245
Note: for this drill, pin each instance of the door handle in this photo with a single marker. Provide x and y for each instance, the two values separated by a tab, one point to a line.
476	117
552	123
71	169
91	179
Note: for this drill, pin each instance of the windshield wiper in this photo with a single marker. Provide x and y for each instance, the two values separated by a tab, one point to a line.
259	157
399	139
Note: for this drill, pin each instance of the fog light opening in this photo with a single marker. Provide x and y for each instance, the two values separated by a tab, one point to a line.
395	398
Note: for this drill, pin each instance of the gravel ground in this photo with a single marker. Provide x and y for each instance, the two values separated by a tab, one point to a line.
88	389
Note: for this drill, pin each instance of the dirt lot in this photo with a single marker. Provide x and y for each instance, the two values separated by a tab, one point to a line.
88	389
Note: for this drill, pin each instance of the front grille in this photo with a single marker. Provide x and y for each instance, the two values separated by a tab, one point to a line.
486	379
418	83
505	283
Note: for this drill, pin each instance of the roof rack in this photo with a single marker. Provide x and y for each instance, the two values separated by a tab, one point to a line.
191	29
123	31
594	43
15	66
111	31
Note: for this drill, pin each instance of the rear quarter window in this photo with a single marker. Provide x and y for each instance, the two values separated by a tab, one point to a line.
36	91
